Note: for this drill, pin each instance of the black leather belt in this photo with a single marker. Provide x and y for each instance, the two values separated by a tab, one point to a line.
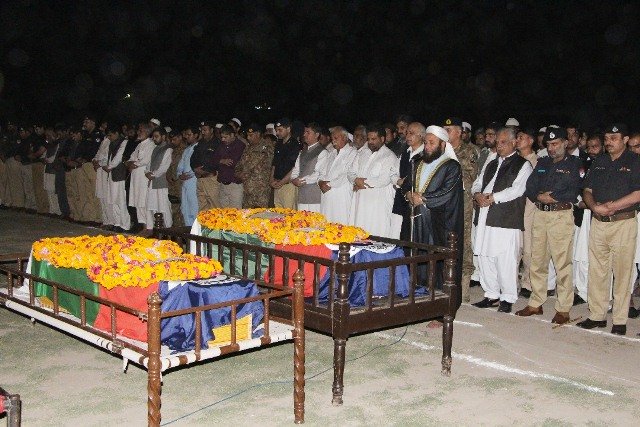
615	217
551	207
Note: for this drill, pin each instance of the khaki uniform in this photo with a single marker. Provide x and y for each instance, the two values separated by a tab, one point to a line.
255	170
468	157
208	189
529	211
612	240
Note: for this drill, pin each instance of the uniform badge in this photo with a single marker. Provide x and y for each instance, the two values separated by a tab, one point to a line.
552	135
614	129
448	121
581	172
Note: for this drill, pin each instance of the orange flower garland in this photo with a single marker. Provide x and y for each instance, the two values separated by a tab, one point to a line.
124	260
281	226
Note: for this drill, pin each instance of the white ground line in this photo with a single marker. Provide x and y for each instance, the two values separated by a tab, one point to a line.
473	325
501	367
590	331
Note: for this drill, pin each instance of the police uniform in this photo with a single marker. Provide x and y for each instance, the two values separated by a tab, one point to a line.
612	239
553	228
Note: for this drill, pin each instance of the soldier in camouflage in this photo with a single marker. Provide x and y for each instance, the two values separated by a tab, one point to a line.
467	154
254	168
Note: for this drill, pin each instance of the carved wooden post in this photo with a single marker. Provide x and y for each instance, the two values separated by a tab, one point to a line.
298	347
341	310
450	286
154	385
158	223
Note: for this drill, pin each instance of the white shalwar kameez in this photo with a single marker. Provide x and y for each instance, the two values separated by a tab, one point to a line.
139	183
335	203
371	206
117	199
158	198
499	249
102	179
312	178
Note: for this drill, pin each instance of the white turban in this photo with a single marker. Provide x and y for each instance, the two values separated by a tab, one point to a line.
442	134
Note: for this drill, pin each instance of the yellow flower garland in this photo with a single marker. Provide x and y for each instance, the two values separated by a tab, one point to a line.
125	261
289	227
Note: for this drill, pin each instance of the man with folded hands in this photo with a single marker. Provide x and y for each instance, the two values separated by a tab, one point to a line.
612	193
553	187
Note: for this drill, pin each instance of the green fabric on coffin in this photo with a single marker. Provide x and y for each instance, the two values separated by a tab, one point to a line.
231	236
71	277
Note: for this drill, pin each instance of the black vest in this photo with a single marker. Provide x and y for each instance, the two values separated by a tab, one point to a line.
508	214
119	173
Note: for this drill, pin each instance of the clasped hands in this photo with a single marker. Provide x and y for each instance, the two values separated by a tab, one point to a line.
604	209
360	184
483	200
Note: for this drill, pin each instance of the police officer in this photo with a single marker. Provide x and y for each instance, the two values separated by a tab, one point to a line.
553	187
612	192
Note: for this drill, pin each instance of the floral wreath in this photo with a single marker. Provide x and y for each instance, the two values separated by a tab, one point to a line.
281	226
126	261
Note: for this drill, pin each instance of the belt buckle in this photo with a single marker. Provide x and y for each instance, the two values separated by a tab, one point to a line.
546	207
607	218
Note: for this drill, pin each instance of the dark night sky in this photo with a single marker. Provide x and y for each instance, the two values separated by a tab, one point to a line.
329	61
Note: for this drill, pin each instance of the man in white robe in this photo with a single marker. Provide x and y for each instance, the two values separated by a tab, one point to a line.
119	219
499	195
99	161
333	182
137	164
158	186
371	177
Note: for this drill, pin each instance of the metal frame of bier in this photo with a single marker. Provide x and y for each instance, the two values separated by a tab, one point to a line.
337	318
149	356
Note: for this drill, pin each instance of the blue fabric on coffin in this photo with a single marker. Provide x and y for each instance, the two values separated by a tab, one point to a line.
178	333
381	278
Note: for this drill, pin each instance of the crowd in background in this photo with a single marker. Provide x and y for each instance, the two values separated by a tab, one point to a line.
118	176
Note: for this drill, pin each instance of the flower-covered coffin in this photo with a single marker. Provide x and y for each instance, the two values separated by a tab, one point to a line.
122	269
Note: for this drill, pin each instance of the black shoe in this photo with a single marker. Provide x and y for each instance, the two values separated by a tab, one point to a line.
525	293
551	292
505	307
633	312
577	300
474	283
619	329
590	324
486	303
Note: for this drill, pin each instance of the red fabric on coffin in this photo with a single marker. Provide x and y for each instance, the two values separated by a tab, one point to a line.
320	251
127	325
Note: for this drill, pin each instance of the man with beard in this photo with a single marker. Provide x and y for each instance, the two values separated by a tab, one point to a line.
116	200
553	186
158	186
499	219
371	178
436	195
136	164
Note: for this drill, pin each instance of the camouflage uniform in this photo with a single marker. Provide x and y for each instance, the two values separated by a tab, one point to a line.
254	168
175	186
468	157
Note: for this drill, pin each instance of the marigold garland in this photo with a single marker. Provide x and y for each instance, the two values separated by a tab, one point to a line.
125	261
288	227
